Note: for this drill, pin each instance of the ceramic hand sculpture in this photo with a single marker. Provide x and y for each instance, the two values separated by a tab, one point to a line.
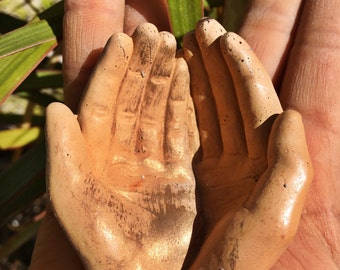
120	176
253	169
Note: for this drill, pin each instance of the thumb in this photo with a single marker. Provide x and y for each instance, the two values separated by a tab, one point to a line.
256	235
289	174
67	164
277	202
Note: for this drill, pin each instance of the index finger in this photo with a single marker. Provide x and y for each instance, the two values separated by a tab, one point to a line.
256	95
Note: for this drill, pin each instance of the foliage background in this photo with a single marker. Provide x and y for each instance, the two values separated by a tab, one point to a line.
30	79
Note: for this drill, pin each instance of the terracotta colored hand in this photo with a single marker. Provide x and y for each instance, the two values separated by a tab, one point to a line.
254	170
120	177
87	27
298	43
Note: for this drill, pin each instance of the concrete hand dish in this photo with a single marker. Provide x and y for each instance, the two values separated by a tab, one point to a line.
120	176
254	170
146	177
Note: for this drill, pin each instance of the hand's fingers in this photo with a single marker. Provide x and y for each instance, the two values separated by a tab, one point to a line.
191	123
146	42
98	103
194	140
150	128
268	29
87	27
208	33
66	146
137	12
260	233
289	169
67	161
206	113
176	144
278	200
76	194
255	92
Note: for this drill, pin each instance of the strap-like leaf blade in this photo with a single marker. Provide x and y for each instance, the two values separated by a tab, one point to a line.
184	15
16	67
23	49
16	138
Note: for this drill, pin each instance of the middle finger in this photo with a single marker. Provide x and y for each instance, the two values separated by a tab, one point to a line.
208	34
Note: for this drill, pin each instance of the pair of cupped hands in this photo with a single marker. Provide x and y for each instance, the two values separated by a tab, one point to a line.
178	159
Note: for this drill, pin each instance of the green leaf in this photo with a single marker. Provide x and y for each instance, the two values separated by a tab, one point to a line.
16	119
16	67
40	79
234	12
20	173
216	3
23	198
9	23
18	239
184	15
38	98
15	138
23	49
26	37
